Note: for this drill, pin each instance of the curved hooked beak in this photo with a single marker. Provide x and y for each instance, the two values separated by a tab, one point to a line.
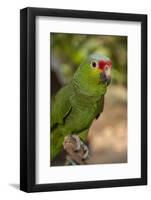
106	75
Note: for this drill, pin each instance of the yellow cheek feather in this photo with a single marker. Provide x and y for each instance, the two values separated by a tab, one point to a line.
97	71
100	70
96	75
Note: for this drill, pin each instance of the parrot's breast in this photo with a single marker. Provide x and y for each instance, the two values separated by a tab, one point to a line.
81	115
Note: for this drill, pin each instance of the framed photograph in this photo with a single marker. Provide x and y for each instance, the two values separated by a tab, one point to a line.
83	99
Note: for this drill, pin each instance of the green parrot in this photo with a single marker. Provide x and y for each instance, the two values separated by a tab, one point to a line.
79	102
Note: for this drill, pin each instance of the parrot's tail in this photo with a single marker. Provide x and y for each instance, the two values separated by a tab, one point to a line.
56	143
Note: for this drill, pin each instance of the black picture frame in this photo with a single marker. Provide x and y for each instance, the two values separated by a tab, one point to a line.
28	98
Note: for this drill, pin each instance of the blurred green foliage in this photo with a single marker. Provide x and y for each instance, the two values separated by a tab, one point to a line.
69	50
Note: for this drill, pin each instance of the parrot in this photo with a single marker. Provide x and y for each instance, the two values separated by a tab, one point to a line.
79	102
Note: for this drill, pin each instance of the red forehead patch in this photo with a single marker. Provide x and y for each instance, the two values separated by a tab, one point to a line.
103	63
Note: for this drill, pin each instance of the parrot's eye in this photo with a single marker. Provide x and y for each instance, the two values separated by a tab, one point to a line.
94	64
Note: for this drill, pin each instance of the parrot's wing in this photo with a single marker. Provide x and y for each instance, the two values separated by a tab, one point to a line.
61	106
100	107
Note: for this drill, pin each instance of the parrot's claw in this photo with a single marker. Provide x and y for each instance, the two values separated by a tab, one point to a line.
86	151
78	142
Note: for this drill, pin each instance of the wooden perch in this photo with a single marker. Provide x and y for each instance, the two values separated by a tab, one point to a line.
73	155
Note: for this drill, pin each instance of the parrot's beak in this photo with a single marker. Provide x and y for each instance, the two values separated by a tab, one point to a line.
108	81
106	75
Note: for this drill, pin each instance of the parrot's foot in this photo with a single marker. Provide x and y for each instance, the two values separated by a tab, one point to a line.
86	151
75	148
78	142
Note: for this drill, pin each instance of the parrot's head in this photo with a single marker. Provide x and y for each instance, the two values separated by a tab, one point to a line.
94	75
